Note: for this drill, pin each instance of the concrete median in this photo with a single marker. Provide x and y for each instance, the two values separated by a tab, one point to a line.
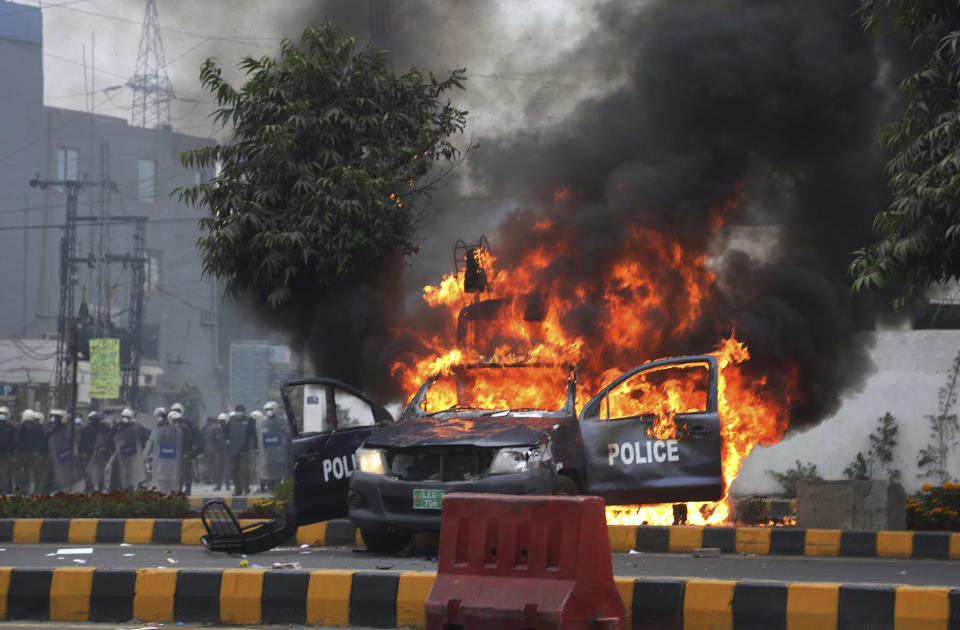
386	599
646	538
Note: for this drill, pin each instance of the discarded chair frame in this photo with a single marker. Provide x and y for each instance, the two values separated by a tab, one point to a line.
224	532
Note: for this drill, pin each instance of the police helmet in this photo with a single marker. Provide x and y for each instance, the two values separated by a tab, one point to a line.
28	414
177	407
270	408
4	412
58	413
174	415
223	416
256	415
160	411
94	416
127	413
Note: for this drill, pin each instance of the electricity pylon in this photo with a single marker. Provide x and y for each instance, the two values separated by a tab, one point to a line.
152	89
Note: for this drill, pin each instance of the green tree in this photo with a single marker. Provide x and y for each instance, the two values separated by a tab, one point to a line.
919	233
329	167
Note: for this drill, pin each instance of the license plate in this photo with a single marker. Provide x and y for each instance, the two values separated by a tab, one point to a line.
425	499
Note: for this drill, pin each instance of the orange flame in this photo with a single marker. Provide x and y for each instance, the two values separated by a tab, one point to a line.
655	292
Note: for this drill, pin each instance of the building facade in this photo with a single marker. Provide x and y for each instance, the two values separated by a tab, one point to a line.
132	172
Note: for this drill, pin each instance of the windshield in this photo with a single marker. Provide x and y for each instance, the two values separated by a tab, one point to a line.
495	388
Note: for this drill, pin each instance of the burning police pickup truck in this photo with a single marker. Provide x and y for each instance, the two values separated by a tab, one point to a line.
652	435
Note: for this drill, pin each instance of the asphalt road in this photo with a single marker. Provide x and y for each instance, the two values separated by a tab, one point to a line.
778	568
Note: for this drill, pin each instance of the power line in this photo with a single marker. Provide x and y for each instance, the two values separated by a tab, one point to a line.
234	39
49	6
60	226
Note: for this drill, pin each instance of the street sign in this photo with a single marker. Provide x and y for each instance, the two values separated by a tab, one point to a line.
105	368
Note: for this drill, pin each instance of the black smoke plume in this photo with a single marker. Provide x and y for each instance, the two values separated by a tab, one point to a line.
772	103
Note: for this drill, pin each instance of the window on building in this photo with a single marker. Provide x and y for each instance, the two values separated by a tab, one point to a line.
146	180
150	341
66	164
153	270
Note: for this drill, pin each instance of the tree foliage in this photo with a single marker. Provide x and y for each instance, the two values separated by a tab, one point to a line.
328	168
919	233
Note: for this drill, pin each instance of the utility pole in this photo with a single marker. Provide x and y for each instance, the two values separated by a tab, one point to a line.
152	89
74	359
68	279
137	262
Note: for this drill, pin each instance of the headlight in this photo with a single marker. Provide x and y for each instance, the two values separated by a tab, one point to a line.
371	461
515	459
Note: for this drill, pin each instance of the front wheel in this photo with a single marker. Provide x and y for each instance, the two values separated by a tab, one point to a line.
385	543
565	487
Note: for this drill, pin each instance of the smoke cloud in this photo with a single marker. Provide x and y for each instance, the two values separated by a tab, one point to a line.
667	111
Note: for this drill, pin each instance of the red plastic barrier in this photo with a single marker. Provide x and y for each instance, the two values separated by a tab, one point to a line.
518	562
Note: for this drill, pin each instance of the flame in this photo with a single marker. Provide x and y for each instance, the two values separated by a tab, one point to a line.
650	293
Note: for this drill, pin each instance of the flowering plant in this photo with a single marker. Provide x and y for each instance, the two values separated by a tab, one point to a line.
935	507
139	503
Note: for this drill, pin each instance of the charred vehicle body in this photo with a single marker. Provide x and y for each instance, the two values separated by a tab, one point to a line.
652	435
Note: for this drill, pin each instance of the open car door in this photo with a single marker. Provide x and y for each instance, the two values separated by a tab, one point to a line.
653	434
330	419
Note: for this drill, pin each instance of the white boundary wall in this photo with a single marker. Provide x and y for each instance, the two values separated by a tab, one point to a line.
911	367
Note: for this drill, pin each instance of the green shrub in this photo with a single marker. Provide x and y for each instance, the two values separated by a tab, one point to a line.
789	478
753	511
141	503
935	507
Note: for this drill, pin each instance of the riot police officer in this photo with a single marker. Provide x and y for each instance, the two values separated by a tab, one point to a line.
93	449
29	443
55	470
274	446
127	439
167	450
216	452
241	441
6	451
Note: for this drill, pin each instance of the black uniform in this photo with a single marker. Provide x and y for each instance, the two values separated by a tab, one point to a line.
94	449
30	445
241	440
6	456
192	447
216	452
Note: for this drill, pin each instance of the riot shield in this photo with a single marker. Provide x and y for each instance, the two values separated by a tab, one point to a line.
97	471
273	441
167	458
61	458
128	459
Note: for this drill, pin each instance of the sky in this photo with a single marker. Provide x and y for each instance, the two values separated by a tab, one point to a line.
514	51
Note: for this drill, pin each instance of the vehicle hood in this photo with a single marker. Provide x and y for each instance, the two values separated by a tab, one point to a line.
473	430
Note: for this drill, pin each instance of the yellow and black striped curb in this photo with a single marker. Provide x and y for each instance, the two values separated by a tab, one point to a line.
389	600
166	531
680	539
789	541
